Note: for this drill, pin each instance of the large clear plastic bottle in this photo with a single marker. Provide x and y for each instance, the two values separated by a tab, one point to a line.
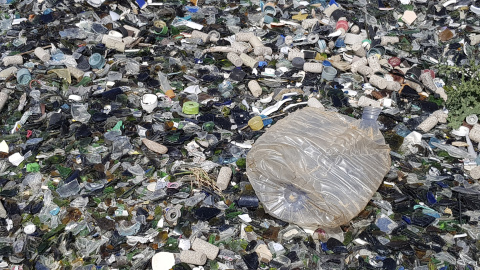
317	168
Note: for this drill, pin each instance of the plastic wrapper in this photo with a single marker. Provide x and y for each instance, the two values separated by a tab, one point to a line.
317	168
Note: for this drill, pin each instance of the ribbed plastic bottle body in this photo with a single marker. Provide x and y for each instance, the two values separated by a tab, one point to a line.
370	125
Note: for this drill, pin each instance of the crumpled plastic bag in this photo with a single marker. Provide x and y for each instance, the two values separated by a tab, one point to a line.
317	168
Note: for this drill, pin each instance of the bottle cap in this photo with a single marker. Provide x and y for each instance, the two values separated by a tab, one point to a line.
256	123
96	61
298	62
23	76
472	119
190	107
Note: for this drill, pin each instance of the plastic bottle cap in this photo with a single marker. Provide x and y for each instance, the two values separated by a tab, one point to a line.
23	76
267	19
269	9
342	24
164	30
83	64
394	61
340	43
190	107
472	119
96	61
256	123
29	229
298	62
374	51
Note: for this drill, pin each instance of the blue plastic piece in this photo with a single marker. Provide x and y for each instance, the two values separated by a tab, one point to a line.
407	219
441	184
383	224
339	43
192	9
141	3
266	122
431	198
326	63
431	213
228	102
262	63
322	2
55	211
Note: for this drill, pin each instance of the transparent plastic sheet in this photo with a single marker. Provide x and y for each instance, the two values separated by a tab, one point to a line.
318	168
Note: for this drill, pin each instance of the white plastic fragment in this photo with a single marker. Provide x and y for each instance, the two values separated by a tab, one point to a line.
409	17
184	244
113	42
163	261
245	217
16	159
264	254
29	229
4	147
462	131
3	212
149	102
475	9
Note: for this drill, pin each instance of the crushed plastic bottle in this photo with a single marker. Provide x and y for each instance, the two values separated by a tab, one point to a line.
323	171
